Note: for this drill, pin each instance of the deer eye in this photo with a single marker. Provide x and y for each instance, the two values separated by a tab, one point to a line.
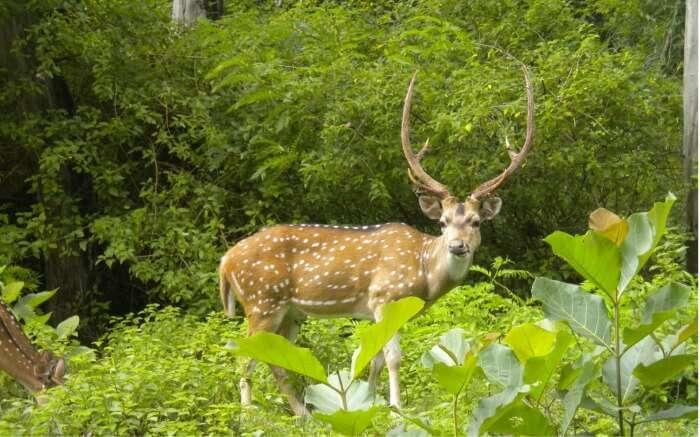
476	223
443	223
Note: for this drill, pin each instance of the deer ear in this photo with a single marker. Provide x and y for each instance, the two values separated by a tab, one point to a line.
431	206
490	208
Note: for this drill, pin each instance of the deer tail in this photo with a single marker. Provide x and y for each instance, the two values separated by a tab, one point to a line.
228	298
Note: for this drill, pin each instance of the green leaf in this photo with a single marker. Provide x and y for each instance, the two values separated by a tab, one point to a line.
521	420
491	408
452	346
589	371
67	327
675	412
660	306
349	422
358	395
593	256
278	351
455	378
529	340
33	300
645	232
584	312
540	370
11	291
663	370
394	316
689	330
500	366
644	352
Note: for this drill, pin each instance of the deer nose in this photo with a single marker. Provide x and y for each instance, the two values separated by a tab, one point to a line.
457	247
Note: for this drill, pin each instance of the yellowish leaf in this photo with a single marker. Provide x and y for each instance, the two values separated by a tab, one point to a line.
608	224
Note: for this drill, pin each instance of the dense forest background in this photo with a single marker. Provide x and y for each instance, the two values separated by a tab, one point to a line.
135	150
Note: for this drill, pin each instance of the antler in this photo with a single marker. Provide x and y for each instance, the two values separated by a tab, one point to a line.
20	359
423	181
516	159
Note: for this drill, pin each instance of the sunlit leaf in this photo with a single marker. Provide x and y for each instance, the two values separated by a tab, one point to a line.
455	378
276	350
540	370
450	350
33	300
349	422
594	257
11	291
529	340
67	327
394	316
358	395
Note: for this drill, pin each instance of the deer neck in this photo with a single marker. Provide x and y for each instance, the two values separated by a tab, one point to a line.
443	270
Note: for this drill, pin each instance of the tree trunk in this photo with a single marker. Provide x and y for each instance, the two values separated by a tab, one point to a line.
188	11
690	125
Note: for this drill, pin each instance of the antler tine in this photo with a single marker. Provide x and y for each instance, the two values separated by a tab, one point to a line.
516	159
419	176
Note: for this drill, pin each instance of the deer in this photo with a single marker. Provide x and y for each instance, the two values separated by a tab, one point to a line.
285	273
21	360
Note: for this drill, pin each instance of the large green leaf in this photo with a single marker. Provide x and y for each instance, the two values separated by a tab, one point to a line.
521	420
644	352
593	256
67	327
11	291
394	315
33	300
584	312
276	350
450	350
529	340
349	422
455	378
645	232
675	412
589	371
500	366
325	399
663	370
660	306
540	370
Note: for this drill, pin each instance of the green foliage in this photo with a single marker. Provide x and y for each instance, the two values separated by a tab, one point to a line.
635	354
175	143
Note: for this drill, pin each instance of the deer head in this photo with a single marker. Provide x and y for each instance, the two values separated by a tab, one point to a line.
460	221
18	357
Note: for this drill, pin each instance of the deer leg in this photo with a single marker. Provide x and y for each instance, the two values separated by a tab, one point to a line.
375	369
268	323
246	382
289	329
392	354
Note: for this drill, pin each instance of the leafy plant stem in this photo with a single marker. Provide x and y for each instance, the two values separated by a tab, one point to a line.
455	400
618	370
341	392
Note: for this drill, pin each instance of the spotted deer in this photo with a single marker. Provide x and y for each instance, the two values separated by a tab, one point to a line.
20	359
284	273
